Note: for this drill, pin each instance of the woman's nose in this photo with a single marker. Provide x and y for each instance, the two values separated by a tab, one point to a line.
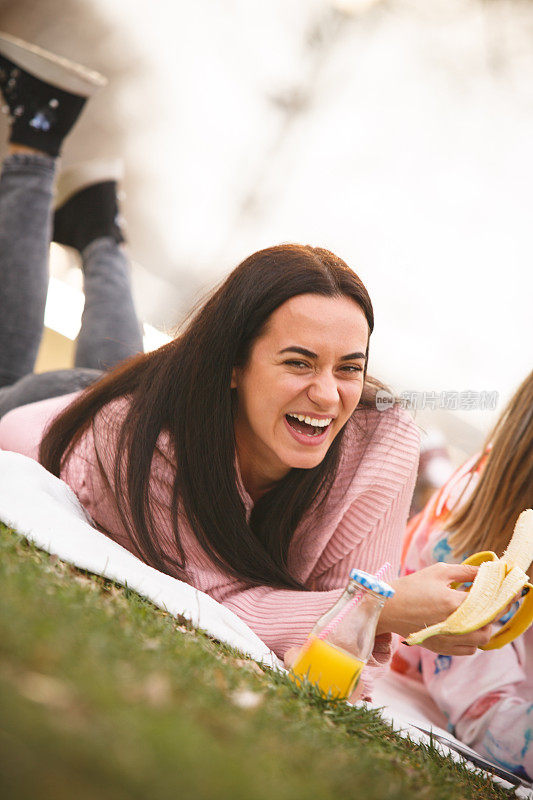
324	392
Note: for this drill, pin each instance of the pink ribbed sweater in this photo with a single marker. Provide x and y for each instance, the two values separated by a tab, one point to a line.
361	525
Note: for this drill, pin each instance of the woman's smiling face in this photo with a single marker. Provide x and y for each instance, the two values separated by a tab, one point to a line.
308	362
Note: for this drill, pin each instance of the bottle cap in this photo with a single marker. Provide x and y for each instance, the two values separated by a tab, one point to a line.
369	581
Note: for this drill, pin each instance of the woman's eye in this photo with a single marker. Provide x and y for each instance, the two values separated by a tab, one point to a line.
352	368
294	363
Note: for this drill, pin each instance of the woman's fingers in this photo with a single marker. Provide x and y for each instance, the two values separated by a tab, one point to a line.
511	604
290	656
464	644
424	598
482	636
458	573
357	693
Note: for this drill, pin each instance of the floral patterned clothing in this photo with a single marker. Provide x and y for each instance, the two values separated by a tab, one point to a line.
487	697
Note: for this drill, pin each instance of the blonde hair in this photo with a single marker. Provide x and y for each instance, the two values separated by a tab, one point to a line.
505	488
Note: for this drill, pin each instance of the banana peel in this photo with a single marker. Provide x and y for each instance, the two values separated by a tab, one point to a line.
497	583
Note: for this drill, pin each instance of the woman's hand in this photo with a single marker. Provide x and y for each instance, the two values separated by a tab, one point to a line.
425	598
290	656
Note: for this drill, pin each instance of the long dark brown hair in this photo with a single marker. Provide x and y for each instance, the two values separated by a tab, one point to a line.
183	389
505	488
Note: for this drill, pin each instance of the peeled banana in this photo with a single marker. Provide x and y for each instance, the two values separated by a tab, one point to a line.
497	582
520	549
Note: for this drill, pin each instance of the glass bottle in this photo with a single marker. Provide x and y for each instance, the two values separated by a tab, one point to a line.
342	640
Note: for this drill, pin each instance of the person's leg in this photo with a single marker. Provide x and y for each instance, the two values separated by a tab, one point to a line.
88	220
25	204
110	331
43	385
44	96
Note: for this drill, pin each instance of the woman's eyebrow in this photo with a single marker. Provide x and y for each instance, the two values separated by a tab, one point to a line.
295	349
310	354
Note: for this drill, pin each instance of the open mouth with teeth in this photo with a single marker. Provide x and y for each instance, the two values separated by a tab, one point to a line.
309	426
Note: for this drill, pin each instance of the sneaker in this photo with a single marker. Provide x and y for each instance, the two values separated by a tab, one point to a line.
87	206
44	93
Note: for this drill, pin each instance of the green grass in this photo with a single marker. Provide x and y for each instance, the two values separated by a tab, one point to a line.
104	696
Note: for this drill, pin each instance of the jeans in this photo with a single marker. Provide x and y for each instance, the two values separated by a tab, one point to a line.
110	331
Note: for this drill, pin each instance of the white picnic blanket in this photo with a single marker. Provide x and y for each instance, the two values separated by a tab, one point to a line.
46	511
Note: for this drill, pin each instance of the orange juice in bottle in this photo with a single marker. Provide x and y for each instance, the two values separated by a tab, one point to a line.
342	640
330	668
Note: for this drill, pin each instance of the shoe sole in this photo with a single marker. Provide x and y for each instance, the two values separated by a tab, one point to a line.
46	66
86	173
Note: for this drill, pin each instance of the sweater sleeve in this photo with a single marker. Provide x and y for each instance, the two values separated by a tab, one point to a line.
282	618
382	545
368	534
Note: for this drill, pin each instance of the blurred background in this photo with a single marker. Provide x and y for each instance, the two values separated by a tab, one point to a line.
397	133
